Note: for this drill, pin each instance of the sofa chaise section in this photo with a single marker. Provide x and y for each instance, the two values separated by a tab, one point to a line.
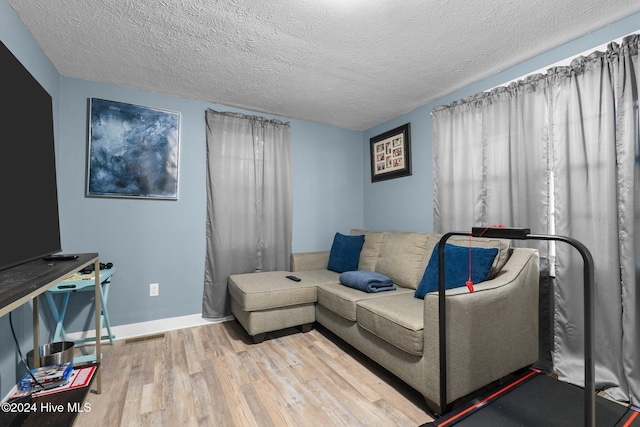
269	301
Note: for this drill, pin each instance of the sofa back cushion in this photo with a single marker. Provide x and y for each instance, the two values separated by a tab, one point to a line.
371	248
403	257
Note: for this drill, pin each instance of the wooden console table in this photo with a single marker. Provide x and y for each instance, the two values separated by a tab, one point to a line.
25	282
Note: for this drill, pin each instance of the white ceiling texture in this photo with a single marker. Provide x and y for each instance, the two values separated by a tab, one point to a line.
346	63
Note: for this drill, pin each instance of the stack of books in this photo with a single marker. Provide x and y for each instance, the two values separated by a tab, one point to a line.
79	377
47	377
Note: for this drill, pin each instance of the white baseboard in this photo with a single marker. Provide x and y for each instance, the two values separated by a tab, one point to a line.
151	327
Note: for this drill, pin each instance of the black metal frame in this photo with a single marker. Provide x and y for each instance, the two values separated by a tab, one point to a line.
524	234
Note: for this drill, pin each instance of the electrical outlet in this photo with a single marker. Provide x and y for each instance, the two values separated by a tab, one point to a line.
154	289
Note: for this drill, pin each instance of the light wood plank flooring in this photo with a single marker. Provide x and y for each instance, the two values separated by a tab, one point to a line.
213	376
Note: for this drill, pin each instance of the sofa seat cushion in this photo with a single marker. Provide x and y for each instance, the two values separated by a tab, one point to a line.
342	299
397	319
317	277
271	289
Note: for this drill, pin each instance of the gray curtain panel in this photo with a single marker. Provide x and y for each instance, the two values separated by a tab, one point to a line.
491	150
249	202
559	153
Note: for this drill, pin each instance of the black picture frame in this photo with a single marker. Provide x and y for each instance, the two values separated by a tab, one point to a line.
391	154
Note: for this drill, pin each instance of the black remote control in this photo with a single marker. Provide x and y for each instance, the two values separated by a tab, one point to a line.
60	257
294	278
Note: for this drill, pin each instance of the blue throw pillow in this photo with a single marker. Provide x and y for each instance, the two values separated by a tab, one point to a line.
345	253
456	268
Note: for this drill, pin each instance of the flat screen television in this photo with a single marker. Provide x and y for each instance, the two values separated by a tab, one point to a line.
29	224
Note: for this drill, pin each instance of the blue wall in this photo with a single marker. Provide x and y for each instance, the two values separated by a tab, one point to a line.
404	203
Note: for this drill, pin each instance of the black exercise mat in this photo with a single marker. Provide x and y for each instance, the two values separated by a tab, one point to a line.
540	401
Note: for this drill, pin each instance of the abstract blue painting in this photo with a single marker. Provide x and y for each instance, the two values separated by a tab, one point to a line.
133	151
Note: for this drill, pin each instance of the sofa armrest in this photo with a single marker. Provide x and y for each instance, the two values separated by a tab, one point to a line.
491	332
309	261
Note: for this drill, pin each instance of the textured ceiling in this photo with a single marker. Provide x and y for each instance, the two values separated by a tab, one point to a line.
347	63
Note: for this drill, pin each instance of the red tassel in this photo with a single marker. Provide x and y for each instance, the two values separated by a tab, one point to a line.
470	285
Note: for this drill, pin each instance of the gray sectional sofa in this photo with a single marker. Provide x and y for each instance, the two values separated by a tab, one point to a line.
491	332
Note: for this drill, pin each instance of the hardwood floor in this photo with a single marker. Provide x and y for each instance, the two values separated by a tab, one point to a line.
213	376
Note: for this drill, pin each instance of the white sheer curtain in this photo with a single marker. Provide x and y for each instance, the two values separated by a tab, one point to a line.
458	164
490	160
626	67
584	152
559	153
249	202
